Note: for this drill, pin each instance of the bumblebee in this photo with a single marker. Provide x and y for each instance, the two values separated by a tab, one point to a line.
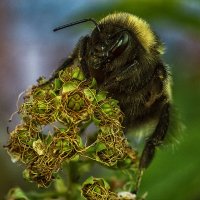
123	54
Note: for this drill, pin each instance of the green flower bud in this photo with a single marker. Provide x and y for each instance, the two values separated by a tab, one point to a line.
75	102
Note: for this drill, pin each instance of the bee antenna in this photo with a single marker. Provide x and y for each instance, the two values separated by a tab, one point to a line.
78	22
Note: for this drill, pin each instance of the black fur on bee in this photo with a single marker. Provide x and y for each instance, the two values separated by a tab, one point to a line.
124	55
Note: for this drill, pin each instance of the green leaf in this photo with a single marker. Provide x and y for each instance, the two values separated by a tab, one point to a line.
48	140
57	99
75	72
69	86
60	185
90	94
39	93
113	102
17	194
96	121
100	147
57	84
106	106
94	83
89	180
75	158
101	96
78	74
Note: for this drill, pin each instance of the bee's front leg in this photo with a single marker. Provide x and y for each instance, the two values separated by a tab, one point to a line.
114	80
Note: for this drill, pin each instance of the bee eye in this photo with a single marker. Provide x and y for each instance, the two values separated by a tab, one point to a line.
120	44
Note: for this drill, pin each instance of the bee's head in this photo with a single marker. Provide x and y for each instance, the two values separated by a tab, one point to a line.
117	41
107	45
107	42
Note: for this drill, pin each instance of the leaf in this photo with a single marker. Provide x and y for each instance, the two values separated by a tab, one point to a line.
78	74
57	84
94	83
90	94
100	147
89	180
69	86
60	185
16	194
96	121
57	100
75	72
75	158
101	96
113	102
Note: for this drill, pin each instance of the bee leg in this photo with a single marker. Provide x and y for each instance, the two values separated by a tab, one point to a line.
127	72
156	138
82	54
114	80
154	141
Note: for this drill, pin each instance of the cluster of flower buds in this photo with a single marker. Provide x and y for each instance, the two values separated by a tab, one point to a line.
98	188
53	116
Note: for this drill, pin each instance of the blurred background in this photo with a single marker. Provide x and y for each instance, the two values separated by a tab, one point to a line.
30	49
